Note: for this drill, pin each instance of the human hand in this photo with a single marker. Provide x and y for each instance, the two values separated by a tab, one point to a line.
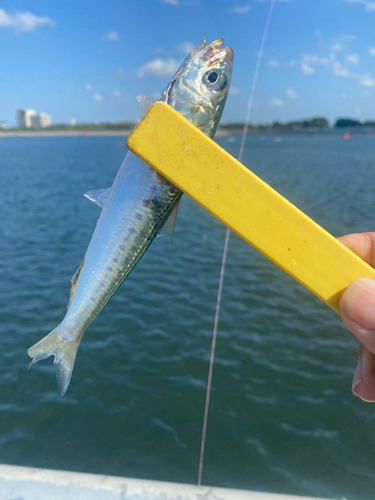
357	310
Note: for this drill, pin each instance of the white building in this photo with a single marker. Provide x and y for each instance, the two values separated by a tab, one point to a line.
3	124
30	118
41	120
24	117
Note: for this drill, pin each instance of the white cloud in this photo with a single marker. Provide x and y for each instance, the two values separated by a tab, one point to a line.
116	93
88	87
23	21
276	102
97	97
241	9
344	96
186	47
364	80
176	3
336	47
341	42
112	35
353	59
307	68
309	62
368	5
234	91
367	81
158	67
274	63
339	70
291	94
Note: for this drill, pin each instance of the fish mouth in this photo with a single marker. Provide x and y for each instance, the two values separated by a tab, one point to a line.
216	43
212	53
216	52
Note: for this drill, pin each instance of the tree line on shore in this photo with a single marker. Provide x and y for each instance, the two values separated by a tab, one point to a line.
319	122
314	123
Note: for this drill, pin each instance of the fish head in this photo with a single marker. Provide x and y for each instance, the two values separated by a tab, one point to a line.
200	86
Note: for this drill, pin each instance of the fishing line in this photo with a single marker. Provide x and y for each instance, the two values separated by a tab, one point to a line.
226	243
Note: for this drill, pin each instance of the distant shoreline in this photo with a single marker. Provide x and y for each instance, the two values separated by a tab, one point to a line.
311	127
88	133
221	132
67	133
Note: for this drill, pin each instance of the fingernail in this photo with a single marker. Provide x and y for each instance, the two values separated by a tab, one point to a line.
358	303
357	377
364	376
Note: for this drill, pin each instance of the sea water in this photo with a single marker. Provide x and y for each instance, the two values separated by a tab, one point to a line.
282	416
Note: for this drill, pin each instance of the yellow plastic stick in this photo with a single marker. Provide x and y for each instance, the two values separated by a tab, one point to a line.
242	201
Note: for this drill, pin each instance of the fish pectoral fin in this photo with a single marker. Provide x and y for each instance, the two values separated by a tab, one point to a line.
98	196
64	352
170	223
145	103
74	281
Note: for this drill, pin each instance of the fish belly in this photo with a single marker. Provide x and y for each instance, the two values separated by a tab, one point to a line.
138	204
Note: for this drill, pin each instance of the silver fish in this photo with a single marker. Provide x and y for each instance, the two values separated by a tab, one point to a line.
136	207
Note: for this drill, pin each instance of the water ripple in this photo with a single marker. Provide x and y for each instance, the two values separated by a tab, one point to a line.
282	417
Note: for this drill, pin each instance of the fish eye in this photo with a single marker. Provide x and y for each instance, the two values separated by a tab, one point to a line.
212	77
215	79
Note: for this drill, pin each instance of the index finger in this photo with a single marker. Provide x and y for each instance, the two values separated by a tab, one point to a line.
357	302
362	244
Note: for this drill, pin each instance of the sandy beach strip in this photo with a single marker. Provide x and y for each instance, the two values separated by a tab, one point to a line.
67	133
88	133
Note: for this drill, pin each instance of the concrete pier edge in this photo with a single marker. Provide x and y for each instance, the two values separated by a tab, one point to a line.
27	483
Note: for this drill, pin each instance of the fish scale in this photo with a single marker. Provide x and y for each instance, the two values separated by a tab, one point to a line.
136	207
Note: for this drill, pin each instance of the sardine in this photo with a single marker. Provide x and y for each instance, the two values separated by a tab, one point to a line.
136	207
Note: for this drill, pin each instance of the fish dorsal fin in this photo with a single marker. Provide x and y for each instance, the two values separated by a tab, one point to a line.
74	281
145	102
98	196
170	223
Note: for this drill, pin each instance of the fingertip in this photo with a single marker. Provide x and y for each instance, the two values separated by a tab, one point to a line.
364	376
357	304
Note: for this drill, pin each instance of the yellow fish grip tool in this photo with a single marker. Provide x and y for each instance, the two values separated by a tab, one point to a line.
249	206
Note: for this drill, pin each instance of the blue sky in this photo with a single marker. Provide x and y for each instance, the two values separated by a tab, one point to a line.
89	59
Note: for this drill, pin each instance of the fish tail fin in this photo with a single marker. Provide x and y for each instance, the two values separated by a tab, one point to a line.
65	355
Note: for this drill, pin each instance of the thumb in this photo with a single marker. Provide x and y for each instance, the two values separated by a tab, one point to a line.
357	309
